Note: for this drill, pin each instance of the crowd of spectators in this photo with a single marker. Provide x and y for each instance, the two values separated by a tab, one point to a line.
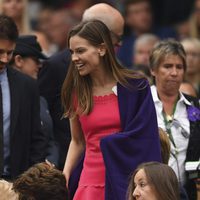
156	39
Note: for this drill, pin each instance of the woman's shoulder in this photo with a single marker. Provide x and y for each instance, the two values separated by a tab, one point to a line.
136	88
136	83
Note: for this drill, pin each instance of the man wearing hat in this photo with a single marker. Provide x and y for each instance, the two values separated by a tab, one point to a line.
27	58
27	55
22	143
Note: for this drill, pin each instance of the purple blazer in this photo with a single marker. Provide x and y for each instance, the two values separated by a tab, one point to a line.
138	141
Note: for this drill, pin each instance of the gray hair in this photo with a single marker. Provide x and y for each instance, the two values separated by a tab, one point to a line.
146	39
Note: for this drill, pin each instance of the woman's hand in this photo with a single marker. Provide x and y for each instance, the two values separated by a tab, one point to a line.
67	179
76	148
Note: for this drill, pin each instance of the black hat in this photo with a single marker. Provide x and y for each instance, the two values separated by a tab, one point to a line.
27	45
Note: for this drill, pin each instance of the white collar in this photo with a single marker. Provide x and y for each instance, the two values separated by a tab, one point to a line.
114	89
156	98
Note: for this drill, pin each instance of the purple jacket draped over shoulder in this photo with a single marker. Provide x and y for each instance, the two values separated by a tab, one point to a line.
138	141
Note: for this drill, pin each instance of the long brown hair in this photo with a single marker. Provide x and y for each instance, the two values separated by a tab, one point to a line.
165	145
162	179
96	33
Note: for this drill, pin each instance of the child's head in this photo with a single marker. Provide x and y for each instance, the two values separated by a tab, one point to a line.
41	181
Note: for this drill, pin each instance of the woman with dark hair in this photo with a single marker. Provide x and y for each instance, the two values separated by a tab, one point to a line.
106	104
153	181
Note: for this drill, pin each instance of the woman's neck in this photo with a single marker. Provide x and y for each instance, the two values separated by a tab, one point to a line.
102	78
169	101
102	85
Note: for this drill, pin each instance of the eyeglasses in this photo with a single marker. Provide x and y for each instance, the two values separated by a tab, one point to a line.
115	38
35	59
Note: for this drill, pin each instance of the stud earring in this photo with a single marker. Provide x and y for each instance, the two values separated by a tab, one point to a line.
101	53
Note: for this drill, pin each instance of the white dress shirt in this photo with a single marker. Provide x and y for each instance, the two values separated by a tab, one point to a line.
179	125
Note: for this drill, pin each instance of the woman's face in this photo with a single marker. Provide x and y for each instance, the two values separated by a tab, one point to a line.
143	190
30	66
13	8
85	57
169	74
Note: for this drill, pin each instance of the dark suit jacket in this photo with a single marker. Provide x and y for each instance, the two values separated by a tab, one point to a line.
27	143
47	128
51	78
193	150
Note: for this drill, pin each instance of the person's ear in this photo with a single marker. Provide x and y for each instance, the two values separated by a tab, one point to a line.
18	61
102	49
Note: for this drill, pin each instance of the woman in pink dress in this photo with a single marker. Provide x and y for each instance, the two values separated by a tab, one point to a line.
90	100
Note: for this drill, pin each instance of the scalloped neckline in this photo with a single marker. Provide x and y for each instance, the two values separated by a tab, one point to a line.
104	97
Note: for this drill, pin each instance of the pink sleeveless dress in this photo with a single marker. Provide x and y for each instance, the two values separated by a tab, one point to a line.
102	121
